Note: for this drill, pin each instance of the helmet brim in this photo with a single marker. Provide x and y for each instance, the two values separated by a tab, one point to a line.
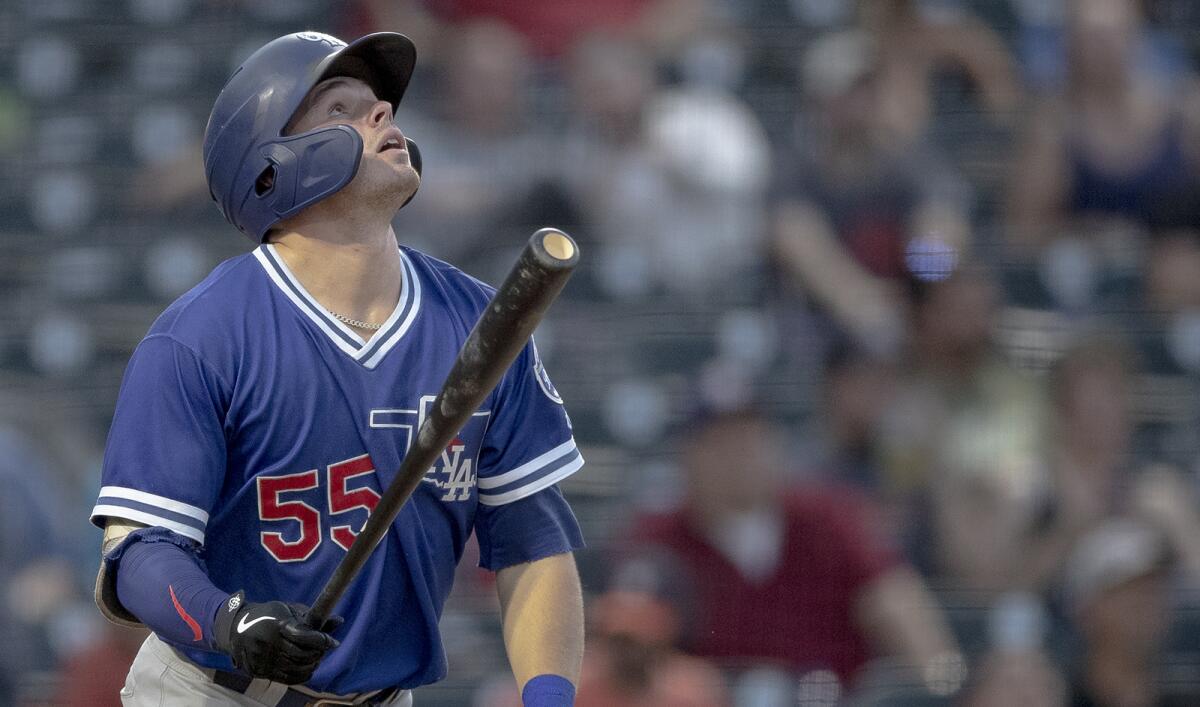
383	60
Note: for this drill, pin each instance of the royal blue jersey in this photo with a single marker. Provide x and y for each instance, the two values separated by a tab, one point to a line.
256	424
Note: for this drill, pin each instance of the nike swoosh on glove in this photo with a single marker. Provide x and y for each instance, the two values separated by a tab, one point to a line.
271	640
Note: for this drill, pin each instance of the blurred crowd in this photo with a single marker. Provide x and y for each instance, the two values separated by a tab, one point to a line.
884	352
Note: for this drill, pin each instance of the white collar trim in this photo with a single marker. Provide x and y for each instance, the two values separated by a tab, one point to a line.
367	352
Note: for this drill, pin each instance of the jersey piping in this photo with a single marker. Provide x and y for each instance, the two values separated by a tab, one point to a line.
152	509
532	476
368	353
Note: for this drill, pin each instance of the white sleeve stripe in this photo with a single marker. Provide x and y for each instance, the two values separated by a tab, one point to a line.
528	467
149	519
517	494
167	504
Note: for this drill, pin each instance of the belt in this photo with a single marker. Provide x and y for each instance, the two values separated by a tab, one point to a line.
296	696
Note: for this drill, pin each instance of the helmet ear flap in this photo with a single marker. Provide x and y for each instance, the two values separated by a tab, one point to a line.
414	159
301	170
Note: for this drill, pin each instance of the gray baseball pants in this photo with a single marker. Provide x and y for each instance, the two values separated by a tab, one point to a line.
160	677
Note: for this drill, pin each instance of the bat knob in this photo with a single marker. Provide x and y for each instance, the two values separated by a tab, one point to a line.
555	249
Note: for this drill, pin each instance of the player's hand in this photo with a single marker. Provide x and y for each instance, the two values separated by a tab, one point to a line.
271	640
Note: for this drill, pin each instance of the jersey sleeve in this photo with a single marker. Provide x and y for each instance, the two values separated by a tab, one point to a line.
528	445
164	463
530	529
528	448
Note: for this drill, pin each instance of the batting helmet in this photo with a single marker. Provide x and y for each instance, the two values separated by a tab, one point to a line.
244	139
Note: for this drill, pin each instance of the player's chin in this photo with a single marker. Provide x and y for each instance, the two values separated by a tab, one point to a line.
391	178
407	181
396	163
396	191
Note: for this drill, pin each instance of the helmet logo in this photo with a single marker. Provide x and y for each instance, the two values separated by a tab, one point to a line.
333	42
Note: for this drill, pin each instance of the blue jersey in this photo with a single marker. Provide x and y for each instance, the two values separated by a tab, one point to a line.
256	424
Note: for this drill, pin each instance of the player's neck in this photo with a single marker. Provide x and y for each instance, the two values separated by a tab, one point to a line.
359	278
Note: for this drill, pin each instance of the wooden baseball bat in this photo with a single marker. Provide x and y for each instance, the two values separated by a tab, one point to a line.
498	337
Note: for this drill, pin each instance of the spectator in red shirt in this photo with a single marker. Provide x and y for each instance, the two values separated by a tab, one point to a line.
797	578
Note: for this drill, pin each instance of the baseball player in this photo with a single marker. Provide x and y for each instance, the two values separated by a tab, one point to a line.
267	408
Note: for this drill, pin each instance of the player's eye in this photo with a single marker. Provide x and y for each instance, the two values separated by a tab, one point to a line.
337	109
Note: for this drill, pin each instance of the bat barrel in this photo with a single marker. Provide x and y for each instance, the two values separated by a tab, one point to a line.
539	274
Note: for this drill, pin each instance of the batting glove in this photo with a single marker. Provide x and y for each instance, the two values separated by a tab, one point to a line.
271	640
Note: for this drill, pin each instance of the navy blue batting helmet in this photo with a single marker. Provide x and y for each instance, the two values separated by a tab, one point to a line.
255	173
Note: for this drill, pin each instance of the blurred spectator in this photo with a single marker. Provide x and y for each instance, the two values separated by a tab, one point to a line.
669	184
38	582
1028	679
1168	501
631	659
412	18
1120	142
486	154
1117	590
1173	273
1090	462
856	390
965	432
550	27
1094	474
865	201
553	26
1041	39
93	675
920	44
796	578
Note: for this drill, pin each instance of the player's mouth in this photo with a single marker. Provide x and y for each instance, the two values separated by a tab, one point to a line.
393	141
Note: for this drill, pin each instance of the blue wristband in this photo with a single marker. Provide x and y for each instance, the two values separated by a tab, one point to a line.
548	691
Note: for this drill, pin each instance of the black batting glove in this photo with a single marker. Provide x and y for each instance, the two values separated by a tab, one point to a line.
272	640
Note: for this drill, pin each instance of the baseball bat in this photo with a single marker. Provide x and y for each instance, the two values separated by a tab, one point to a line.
498	337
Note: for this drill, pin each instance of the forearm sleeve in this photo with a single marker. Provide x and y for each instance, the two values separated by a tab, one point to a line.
160	579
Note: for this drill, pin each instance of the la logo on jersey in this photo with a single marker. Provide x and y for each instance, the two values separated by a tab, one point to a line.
454	472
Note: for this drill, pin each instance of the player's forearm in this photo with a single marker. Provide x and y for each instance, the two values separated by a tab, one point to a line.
542	607
161	582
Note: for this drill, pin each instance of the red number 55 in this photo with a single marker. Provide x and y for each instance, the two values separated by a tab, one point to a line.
339	499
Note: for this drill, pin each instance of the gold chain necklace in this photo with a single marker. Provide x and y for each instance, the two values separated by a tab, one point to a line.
354	322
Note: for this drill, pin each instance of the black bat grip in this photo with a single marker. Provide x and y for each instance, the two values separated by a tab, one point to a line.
502	331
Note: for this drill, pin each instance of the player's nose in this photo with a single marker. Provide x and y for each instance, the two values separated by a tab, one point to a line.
381	114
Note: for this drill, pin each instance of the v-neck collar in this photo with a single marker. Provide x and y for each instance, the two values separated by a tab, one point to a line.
367	352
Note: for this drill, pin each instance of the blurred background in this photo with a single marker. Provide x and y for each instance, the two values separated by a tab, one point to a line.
883	354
